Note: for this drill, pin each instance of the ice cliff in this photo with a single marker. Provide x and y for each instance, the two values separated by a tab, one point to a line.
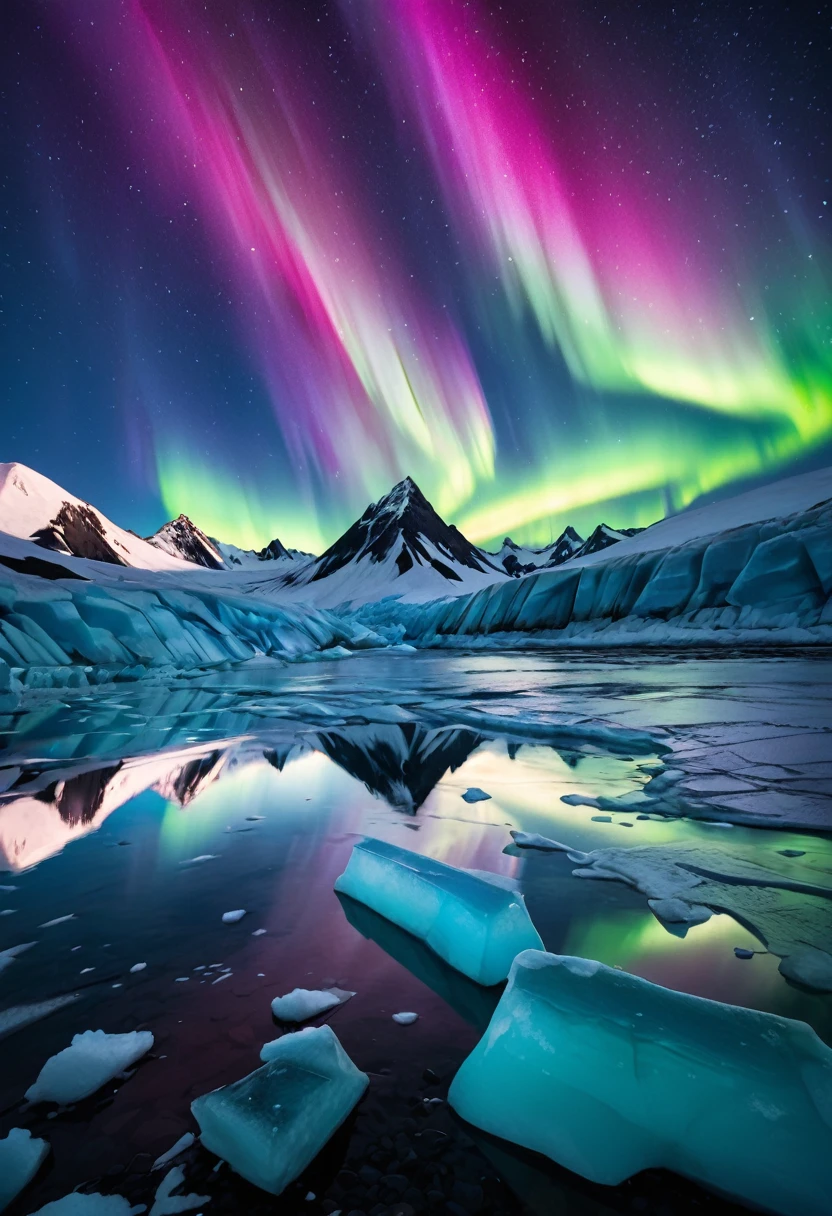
766	579
73	631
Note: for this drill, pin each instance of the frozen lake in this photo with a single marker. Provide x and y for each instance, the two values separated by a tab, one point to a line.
134	816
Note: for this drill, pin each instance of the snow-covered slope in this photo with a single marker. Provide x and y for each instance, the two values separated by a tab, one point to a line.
518	559
399	546
181	538
785	497
34	508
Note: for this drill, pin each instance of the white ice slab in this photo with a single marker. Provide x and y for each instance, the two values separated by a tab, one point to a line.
609	1074
303	1003
92	1059
269	1125
476	922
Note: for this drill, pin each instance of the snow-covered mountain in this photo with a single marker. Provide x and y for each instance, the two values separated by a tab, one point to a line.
400	546
34	508
601	538
182	538
235	558
519	559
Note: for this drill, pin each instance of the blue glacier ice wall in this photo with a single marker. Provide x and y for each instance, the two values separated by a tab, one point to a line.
55	629
772	578
608	1074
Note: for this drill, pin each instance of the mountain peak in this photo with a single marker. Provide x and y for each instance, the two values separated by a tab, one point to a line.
403	530
181	537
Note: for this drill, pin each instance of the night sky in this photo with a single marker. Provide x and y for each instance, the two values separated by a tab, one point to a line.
558	261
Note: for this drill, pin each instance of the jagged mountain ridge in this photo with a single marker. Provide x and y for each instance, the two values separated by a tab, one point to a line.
520	559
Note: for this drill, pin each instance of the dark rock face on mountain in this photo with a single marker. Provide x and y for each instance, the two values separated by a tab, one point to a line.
274	550
404	524
603	537
182	538
77	530
566	546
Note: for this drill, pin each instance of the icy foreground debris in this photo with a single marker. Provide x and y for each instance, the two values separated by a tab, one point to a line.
78	1204
92	1059
21	1157
609	1074
303	1003
476	922
269	1125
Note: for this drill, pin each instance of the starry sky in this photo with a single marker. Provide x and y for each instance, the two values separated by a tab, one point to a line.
559	261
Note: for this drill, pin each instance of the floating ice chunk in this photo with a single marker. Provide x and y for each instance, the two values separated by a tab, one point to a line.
79	1204
742	952
269	1125
475	794
92	1059
8	956
175	1149
258	932
533	840
303	1003
165	1203
231	918
58	920
810	967
137	967
608	1074
192	861
476	922
18	1016
21	1157
405	1019
679	911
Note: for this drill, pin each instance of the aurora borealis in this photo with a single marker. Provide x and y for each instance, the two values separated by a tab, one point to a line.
555	263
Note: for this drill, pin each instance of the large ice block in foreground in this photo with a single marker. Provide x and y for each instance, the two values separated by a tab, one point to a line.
477	922
21	1156
609	1074
269	1125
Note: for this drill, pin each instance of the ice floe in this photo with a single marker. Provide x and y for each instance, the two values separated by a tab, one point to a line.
477	922
92	1059
791	913
608	1075
269	1125
303	1003
231	918
18	1016
21	1156
405	1019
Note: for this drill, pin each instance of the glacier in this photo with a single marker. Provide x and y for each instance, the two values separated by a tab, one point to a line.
269	1125
475	921
757	582
609	1074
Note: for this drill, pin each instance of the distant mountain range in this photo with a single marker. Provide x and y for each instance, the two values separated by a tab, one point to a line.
399	546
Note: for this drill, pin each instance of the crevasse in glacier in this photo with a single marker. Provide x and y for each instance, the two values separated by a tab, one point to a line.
608	1074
